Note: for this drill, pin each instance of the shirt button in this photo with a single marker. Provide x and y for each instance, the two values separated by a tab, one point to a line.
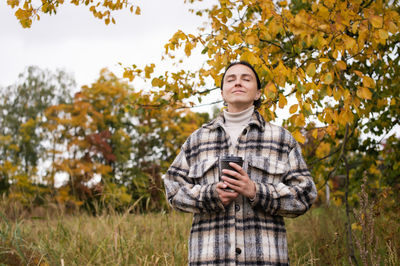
237	207
238	251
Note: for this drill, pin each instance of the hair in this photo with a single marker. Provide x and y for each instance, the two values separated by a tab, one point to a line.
257	103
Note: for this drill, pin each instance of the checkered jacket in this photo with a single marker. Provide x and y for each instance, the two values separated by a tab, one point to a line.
244	232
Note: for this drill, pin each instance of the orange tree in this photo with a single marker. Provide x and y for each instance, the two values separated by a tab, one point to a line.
120	136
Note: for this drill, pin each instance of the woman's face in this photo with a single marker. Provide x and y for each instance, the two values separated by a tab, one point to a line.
239	88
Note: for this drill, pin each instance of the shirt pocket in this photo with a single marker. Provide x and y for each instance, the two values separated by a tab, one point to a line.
267	170
205	171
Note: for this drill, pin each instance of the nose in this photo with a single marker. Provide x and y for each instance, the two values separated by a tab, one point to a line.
238	83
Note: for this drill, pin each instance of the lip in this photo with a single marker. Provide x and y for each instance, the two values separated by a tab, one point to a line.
238	91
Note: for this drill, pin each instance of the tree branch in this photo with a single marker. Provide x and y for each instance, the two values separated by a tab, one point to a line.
342	148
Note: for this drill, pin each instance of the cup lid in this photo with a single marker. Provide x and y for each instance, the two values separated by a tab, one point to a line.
232	159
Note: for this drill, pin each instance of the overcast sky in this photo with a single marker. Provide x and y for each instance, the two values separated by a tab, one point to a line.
81	44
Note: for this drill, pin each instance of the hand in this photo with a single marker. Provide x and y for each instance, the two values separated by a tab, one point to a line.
242	184
226	197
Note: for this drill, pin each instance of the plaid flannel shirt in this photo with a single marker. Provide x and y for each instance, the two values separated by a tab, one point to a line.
244	232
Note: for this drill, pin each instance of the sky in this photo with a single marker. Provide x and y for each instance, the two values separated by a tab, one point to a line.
76	41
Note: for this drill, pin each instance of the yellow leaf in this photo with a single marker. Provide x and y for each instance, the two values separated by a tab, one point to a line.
345	116
137	12
311	70
341	65
315	133
376	21
358	73
250	57
251	38
270	87
335	54
364	93
188	49
368	82
331	130
300	121
293	108
383	34
299	137
392	27
323	150
328	78
13	3
349	43
282	100
148	70
282	3
324	60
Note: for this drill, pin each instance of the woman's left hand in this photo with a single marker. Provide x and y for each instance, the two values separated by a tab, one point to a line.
241	182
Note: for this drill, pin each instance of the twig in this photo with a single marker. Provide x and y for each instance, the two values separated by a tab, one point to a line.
342	148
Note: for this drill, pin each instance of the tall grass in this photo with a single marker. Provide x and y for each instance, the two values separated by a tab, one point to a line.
146	239
316	238
319	238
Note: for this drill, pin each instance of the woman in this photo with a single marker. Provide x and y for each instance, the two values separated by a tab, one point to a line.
238	217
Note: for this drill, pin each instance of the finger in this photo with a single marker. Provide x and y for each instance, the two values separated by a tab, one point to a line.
221	185
227	193
238	168
232	173
229	180
235	187
231	194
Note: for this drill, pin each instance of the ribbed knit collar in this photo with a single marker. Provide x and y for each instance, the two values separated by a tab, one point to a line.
239	118
256	120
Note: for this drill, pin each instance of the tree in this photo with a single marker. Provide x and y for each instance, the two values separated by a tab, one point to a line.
22	116
92	138
101	9
115	133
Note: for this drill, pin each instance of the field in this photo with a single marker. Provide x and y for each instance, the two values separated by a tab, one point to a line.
316	238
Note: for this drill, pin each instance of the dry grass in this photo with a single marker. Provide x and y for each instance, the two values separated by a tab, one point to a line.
149	239
319	238
316	238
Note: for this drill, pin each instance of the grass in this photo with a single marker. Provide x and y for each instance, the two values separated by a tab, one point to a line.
316	238
146	239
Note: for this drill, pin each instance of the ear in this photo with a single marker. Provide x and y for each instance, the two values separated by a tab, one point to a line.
222	93
258	95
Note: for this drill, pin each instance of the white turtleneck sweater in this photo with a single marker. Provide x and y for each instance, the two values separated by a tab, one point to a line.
236	122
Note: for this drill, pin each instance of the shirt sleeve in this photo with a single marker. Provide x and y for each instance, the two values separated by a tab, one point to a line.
184	195
291	197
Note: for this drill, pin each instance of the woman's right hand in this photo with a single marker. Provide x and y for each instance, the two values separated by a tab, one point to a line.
226	197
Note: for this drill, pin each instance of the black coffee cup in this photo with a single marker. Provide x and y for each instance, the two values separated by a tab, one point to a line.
224	164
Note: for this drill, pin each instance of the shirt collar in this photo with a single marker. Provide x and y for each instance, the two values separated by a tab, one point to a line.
256	119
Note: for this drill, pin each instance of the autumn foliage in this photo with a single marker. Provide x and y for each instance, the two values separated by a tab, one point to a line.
329	71
108	146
